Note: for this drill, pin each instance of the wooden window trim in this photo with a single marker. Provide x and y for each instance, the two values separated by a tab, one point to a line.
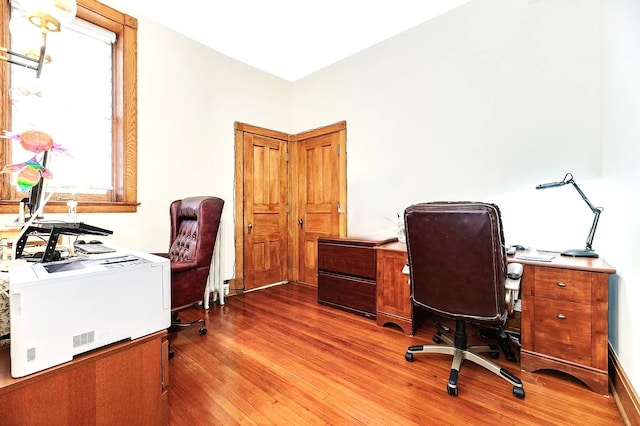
125	146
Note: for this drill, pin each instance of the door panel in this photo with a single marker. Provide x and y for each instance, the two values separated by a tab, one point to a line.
265	218
318	198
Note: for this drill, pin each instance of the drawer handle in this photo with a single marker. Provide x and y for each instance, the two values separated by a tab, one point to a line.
561	316
561	284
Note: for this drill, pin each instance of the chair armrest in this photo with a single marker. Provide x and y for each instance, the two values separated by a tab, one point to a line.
514	271
512	284
183	266
178	266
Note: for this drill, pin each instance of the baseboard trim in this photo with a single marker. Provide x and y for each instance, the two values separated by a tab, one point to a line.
266	286
623	393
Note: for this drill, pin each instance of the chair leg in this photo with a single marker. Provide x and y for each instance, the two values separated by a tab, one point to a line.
461	352
505	342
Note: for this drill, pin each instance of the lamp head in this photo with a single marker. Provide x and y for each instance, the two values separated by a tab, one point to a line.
568	178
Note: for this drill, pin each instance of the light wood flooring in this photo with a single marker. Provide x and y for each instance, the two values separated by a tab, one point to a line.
275	356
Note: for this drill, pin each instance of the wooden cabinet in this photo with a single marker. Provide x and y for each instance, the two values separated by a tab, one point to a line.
393	290
347	274
123	383
564	318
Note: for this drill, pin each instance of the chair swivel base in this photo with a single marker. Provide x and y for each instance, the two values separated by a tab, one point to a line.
176	324
504	340
462	352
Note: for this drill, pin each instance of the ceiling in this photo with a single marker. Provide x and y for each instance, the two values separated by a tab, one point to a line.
288	38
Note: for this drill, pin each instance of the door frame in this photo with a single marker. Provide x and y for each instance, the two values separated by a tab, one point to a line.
237	283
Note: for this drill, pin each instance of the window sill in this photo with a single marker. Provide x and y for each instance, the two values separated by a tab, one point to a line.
11	207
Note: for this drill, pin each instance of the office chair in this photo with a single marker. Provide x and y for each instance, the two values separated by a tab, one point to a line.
194	227
458	269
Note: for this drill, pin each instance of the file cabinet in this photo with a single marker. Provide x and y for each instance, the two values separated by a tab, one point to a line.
347	274
564	318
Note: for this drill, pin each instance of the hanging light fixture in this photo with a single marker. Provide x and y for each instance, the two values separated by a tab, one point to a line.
29	31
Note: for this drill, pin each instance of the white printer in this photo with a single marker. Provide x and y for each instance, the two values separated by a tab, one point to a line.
61	309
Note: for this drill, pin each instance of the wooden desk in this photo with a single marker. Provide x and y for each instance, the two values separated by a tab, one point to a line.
393	291
564	318
123	383
564	312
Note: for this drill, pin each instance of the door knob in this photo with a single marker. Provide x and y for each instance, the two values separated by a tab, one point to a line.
249	227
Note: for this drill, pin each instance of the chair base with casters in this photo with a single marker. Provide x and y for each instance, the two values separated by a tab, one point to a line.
177	325
461	351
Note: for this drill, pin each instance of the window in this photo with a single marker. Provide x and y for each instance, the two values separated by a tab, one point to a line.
91	83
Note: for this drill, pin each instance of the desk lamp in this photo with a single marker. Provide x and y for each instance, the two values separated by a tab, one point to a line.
588	251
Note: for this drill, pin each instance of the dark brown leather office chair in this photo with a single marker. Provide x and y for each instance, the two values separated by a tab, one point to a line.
194	228
458	268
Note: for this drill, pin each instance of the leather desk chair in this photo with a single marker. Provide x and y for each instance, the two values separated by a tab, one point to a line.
458	269
194	228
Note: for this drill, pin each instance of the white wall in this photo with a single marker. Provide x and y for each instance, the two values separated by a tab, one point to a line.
621	174
482	103
188	100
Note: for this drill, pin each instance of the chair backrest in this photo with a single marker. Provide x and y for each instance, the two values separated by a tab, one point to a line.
194	228
457	260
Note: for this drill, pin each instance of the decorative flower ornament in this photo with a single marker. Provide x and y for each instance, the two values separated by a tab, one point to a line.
31	170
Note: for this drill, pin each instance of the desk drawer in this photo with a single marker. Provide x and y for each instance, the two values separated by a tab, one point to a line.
347	259
352	294
563	284
563	330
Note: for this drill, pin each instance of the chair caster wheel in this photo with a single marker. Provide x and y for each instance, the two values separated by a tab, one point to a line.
408	356
202	331
495	352
453	391
443	328
518	392
437	339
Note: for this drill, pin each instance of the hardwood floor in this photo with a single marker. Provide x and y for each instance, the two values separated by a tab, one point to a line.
275	356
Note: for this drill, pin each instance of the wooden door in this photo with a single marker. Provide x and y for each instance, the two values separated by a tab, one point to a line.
289	190
321	197
265	216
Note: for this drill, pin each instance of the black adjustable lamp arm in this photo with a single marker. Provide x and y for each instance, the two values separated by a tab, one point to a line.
596	211
568	179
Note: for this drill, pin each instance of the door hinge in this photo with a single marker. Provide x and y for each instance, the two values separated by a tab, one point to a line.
286	157
286	208
338	150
